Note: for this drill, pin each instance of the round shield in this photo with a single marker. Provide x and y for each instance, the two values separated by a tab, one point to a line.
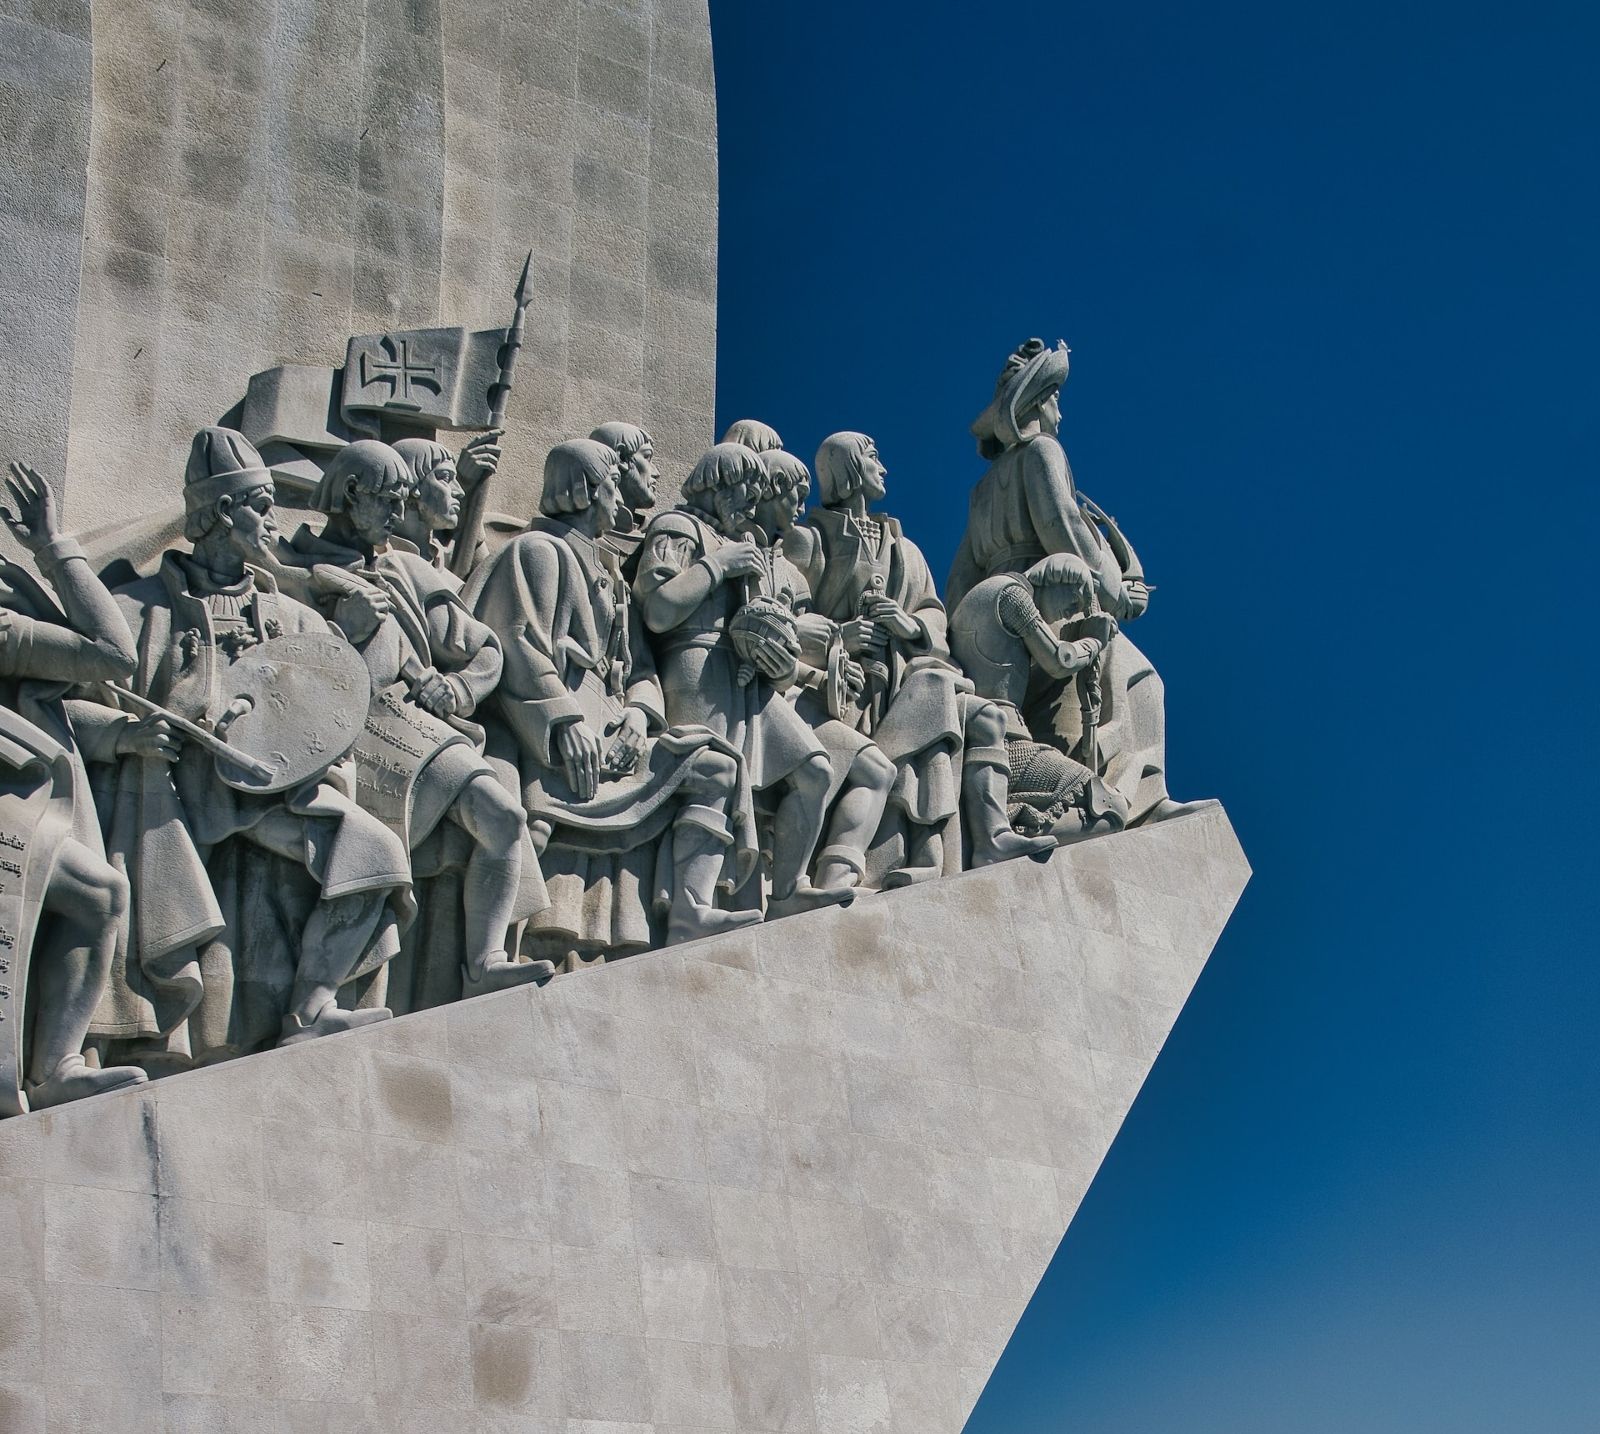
295	704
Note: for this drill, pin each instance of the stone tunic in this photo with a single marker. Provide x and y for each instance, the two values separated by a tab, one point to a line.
184	951
1024	508
575	651
698	668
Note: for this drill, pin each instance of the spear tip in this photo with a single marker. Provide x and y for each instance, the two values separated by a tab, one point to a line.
525	283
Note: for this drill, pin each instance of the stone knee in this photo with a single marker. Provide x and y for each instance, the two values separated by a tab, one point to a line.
711	778
986	726
813	776
492	817
873	770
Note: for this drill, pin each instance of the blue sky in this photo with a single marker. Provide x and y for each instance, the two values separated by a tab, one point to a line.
1331	277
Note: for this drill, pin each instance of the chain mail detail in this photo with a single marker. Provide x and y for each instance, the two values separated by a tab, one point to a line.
1044	785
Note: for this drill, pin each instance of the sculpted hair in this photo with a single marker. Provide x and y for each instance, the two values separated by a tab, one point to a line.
422	456
785	474
624	439
573	471
725	466
753	433
839	466
376	468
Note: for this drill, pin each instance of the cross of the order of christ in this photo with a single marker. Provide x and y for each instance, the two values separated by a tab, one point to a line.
400	372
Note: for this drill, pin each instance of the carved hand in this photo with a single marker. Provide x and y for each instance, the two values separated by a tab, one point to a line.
32	516
740	560
855	678
480	459
1136	598
580	756
360	614
622	757
862	634
887	613
778	664
149	737
436	695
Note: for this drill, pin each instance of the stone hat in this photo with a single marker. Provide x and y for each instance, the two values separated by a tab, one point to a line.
222	463
1030	374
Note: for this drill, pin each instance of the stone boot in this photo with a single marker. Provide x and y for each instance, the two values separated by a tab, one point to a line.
699	847
73	1078
983	788
498	972
330	1020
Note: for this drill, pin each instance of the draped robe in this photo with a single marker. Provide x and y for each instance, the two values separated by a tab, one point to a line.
1025	507
575	650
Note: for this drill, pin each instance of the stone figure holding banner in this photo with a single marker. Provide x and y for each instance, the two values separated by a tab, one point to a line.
61	901
419	757
252	893
643	817
1027	506
441	481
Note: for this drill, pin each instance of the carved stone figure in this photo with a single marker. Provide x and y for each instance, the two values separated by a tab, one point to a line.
1026	506
946	743
827	681
1012	634
431	663
638	485
219	873
61	901
757	436
642	817
696	578
440	483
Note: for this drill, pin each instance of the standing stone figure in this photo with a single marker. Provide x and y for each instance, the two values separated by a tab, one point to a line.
697	578
61	901
431	664
218	874
1008	637
638	485
1026	506
641	815
439	484
827	681
948	746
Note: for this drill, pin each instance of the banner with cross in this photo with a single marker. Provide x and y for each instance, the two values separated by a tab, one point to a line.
442	378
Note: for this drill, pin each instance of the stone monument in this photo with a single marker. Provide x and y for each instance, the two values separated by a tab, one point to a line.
562	936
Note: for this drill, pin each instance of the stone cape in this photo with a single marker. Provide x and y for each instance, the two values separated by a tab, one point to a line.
804	1176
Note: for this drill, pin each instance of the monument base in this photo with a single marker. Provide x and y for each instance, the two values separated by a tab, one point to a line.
803	1177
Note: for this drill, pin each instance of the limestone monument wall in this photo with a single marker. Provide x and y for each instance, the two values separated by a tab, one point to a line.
799	1178
195	190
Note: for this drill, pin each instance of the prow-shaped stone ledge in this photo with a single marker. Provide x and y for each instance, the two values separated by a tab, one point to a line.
804	1176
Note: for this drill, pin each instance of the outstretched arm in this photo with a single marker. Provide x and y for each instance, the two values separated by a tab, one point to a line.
97	646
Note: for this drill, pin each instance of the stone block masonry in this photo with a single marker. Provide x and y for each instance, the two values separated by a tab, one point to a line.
803	1177
200	189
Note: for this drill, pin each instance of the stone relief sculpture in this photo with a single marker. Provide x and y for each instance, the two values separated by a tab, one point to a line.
827	684
227	943
1027	506
641	818
1011	636
723	652
419	758
947	743
275	789
61	901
